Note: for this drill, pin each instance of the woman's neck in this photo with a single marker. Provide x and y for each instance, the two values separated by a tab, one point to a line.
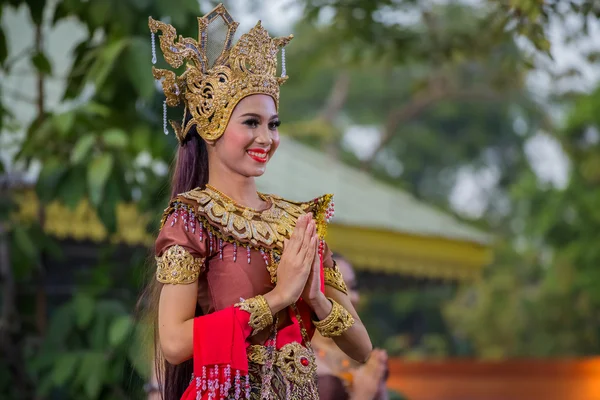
239	188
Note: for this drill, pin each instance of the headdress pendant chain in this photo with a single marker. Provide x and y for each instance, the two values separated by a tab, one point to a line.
282	62
165	118
153	47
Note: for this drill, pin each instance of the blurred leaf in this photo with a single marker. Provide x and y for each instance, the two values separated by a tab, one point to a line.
141	4
136	64
25	243
92	372
138	352
105	61
98	336
140	138
99	12
120	330
64	122
41	63
64	368
3	47
84	310
61	323
98	172
82	148
115	137
72	189
97	109
593	56
36	8
112	196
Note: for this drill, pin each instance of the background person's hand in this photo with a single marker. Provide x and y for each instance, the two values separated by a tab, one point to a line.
367	379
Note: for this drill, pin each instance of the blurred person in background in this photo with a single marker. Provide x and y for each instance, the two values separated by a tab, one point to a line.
340	377
243	279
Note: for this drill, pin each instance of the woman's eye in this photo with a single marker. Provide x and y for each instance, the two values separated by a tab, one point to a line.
274	125
252	123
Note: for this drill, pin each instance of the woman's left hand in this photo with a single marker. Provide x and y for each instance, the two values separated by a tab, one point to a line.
312	294
312	289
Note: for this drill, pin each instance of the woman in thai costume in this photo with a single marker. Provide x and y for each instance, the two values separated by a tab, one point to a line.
240	275
340	377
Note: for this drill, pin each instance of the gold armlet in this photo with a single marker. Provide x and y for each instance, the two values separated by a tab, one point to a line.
260	313
177	266
337	322
333	278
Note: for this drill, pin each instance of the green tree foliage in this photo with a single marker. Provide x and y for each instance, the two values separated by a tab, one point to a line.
89	151
463	101
543	300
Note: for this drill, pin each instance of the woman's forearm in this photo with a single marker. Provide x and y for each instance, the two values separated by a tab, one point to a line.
276	300
355	341
177	342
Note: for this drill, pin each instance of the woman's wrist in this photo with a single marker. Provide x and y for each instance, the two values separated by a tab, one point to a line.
276	300
320	305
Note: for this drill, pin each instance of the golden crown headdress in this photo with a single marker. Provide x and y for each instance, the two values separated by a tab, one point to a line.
217	75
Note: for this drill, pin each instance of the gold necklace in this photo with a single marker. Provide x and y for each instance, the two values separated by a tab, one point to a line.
235	203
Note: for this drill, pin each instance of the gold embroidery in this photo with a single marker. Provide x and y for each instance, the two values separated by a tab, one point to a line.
333	278
297	363
337	322
177	266
272	269
260	313
266	228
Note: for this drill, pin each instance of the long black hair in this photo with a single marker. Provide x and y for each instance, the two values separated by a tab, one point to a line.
190	171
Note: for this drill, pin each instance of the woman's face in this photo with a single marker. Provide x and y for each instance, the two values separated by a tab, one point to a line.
251	136
350	280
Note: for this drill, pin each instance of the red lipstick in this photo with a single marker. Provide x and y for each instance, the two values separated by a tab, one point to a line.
258	155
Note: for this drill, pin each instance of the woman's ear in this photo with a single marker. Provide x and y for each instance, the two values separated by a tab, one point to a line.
210	142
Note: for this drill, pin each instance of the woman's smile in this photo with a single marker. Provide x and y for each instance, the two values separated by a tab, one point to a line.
258	155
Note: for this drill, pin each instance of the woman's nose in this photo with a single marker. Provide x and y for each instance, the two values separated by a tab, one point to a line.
264	136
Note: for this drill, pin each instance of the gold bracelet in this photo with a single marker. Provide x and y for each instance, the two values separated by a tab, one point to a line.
260	313
337	322
333	278
177	266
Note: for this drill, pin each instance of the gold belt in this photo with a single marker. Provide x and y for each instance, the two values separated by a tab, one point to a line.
297	363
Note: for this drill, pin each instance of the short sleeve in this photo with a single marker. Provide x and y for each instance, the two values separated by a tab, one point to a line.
180	249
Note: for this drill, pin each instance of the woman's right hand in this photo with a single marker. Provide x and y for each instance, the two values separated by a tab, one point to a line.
367	379
296	260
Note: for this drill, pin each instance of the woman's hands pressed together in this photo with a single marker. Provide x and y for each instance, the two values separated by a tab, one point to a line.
299	253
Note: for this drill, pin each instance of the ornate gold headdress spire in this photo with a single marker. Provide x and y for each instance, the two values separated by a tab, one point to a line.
217	75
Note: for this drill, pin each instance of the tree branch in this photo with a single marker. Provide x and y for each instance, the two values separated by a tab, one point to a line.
333	106
416	107
337	97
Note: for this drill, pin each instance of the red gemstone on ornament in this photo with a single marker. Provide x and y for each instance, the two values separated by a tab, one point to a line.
304	361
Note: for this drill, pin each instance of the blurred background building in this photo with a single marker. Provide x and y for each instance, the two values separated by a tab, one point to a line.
460	139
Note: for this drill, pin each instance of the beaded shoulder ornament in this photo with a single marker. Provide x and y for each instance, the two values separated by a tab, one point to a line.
217	74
